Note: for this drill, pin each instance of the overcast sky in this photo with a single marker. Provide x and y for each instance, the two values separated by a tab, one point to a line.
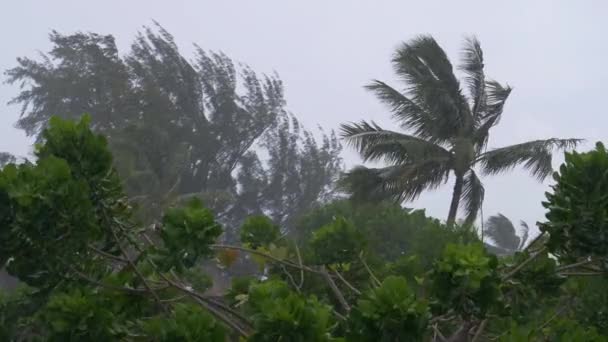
552	52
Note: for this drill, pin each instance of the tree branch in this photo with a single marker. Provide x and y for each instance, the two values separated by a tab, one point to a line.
349	285
273	258
369	270
480	329
335	289
574	265
523	264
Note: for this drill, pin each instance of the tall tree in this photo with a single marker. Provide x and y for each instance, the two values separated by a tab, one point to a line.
503	233
446	131
180	127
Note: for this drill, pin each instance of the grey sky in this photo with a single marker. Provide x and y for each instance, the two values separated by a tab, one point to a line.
552	52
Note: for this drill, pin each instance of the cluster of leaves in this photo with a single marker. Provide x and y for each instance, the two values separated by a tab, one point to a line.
336	243
578	206
280	314
390	312
539	280
187	233
58	205
258	231
188	322
465	280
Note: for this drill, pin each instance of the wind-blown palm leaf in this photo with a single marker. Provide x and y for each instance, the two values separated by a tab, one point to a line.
472	65
365	185
472	196
375	143
408	181
502	232
534	155
496	96
425	67
411	116
524	235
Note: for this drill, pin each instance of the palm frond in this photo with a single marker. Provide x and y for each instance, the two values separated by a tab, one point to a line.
524	235
375	143
472	196
365	185
496	96
410	115
472	65
425	68
534	155
502	232
408	181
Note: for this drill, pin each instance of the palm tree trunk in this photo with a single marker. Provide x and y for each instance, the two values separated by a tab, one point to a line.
455	199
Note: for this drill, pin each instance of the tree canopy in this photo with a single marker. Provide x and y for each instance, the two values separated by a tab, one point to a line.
203	127
446	131
93	272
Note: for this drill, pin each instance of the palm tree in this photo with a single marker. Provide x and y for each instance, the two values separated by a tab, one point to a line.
446	131
502	232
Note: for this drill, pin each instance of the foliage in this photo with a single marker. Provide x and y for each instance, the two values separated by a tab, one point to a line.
365	270
389	231
258	231
336	243
389	313
186	233
80	314
281	314
578	206
465	280
559	330
6	158
181	127
41	205
448	131
187	323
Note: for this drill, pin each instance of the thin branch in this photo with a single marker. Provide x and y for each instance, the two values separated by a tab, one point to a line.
554	316
480	329
300	263
448	316
523	264
369	270
139	275
113	287
223	318
291	280
536	239
207	303
438	333
339	315
349	285
107	255
581	274
575	265
176	299
273	258
335	289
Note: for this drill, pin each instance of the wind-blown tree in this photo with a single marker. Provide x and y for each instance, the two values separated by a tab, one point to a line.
503	233
6	158
181	127
446	131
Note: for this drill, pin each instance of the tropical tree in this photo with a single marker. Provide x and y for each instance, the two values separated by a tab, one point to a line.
446	131
182	127
503	233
